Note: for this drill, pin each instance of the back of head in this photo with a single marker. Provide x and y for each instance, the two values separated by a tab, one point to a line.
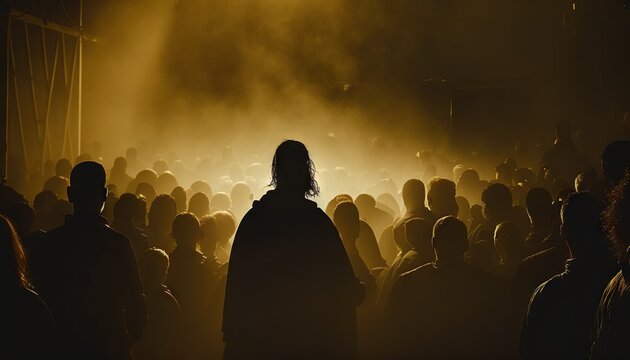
208	228
185	229
450	239
199	204
221	201
120	165
539	203
202	186
125	208
418	233
12	259
616	160
163	209
413	194
225	226
582	226
87	191
497	200
504	174
508	241
63	168
160	166
365	203
154	265
293	170
586	182
165	183
240	194
441	197
332	204
346	219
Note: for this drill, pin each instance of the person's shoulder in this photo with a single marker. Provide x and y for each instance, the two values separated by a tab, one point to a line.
548	288
417	273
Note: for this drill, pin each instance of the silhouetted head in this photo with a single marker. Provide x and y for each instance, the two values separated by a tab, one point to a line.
179	194
22	215
125	208
582	226
162	212
155	264
387	202
87	191
365	203
293	171
199	205
140	211
418	233
563	131
241	195
186	231
450	240
131	154
12	259
202	186
221	202
497	202
413	194
225	227
616	160
508	242
539	204
120	165
441	197
208	242
346	219
463	208
332	204
165	183
504	174
63	168
146	190
58	185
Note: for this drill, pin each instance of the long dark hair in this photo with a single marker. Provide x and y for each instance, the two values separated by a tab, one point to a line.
291	165
12	257
617	217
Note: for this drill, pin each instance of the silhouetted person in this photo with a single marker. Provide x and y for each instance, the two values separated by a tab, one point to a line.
470	186
43	204
220	202
192	281
199	204
118	174
386	201
87	274
417	252
559	320
161	214
377	219
510	248
446	309
162	335
27	328
22	216
611	320
542	215
290	291
202	186
225	228
57	184
165	183
180	197
63	167
497	208
146	190
123	222
413	194
441	198
564	157
208	243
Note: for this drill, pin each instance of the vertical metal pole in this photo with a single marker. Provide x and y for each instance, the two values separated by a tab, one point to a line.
80	90
45	52
17	99
48	105
67	118
30	72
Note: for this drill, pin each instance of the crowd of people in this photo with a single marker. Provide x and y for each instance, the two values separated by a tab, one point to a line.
531	264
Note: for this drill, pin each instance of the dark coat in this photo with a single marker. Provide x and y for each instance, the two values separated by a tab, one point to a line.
290	288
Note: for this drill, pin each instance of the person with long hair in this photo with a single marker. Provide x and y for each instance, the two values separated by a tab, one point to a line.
291	291
26	327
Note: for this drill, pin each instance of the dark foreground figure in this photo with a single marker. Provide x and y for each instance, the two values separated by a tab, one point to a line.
291	292
87	274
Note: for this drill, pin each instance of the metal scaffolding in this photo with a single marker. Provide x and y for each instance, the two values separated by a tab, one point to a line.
44	65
